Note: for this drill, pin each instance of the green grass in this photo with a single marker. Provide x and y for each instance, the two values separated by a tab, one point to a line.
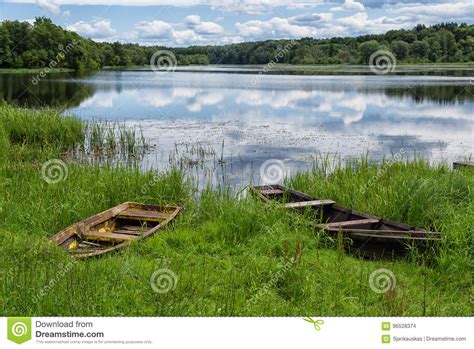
47	130
4	146
114	138
232	255
41	129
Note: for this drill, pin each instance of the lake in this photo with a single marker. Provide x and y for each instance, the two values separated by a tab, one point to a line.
226	124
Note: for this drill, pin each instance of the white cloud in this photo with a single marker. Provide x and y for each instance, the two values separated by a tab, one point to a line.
49	6
276	26
258	7
317	25
346	18
98	29
254	28
311	19
165	33
192	20
208	28
249	6
321	25
358	20
239	6
454	9
186	37
154	30
359	23
349	5
203	28
281	26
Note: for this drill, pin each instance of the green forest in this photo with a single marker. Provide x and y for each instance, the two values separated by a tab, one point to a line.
23	45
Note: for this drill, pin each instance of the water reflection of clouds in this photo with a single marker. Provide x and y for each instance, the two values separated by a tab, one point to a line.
193	99
350	115
302	107
100	100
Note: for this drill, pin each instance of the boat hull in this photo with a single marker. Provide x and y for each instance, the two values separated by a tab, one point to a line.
363	234
114	229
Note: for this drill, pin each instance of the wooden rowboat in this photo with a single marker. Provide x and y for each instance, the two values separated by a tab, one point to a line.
465	164
114	229
372	236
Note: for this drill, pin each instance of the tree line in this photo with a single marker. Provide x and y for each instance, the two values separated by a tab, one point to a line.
25	45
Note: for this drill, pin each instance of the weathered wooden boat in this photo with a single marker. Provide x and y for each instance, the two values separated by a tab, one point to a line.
465	164
371	236
114	229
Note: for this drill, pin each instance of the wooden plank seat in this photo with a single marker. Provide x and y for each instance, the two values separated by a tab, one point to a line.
379	236
311	203
87	244
143	215
129	232
135	227
393	233
344	224
85	250
271	191
93	235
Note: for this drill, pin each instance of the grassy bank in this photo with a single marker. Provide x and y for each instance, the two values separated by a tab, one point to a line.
231	255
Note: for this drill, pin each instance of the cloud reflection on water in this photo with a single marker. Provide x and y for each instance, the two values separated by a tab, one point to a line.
298	115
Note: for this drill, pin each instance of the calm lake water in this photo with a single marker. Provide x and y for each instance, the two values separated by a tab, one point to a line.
227	125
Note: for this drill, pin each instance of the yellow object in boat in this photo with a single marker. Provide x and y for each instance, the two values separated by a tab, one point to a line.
73	245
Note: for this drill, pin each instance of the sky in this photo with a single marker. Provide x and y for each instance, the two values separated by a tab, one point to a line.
202	22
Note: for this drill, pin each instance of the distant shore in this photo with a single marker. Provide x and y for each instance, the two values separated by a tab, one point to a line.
465	69
460	69
33	71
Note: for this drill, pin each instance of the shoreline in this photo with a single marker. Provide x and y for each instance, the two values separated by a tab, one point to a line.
330	69
35	70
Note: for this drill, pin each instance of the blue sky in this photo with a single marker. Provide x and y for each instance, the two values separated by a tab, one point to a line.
200	22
